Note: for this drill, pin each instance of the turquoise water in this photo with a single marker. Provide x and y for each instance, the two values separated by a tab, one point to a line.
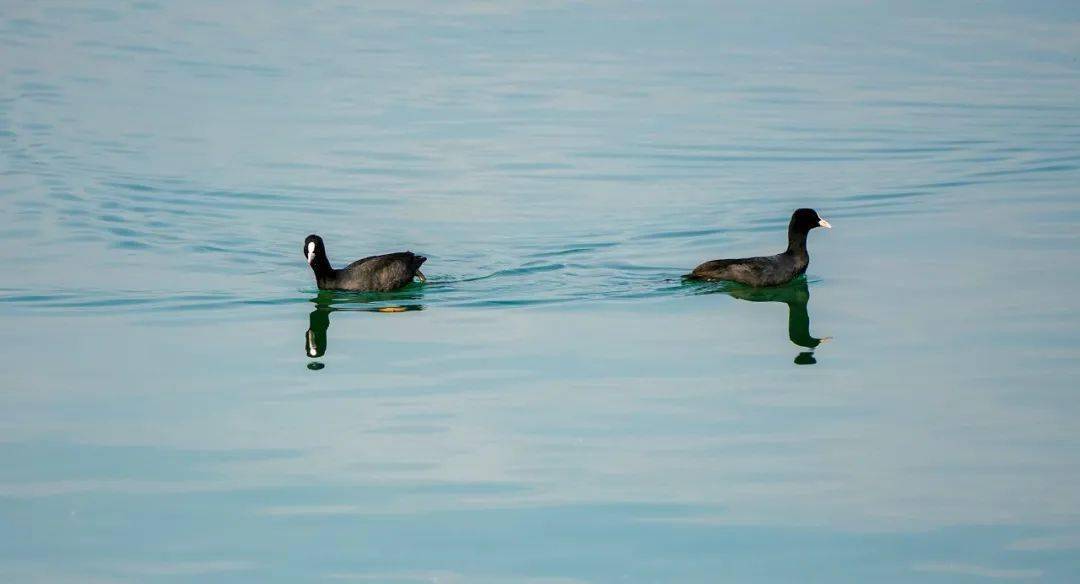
555	405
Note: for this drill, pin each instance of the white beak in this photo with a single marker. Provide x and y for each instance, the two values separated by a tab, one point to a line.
824	224
310	252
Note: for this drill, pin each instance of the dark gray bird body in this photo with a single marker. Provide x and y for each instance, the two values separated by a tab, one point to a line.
379	273
768	270
760	271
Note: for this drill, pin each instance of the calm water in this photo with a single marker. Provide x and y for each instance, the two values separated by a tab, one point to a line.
555	405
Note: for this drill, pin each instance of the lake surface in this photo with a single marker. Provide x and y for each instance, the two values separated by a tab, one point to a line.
178	403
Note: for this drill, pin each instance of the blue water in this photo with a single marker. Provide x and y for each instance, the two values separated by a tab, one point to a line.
178	403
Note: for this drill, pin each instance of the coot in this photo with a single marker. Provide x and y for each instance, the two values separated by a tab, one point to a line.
380	273
768	270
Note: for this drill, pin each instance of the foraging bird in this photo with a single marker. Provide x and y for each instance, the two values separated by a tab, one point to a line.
381	273
768	270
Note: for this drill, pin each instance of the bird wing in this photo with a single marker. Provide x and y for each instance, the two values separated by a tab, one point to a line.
385	271
730	269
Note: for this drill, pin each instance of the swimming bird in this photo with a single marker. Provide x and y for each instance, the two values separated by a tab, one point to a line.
380	273
768	270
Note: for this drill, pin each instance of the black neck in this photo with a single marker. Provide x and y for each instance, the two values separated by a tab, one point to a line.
321	266
796	241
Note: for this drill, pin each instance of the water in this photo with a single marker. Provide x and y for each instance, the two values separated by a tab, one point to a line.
555	405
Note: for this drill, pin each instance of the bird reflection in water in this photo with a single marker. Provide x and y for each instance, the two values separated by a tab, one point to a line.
330	301
795	295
